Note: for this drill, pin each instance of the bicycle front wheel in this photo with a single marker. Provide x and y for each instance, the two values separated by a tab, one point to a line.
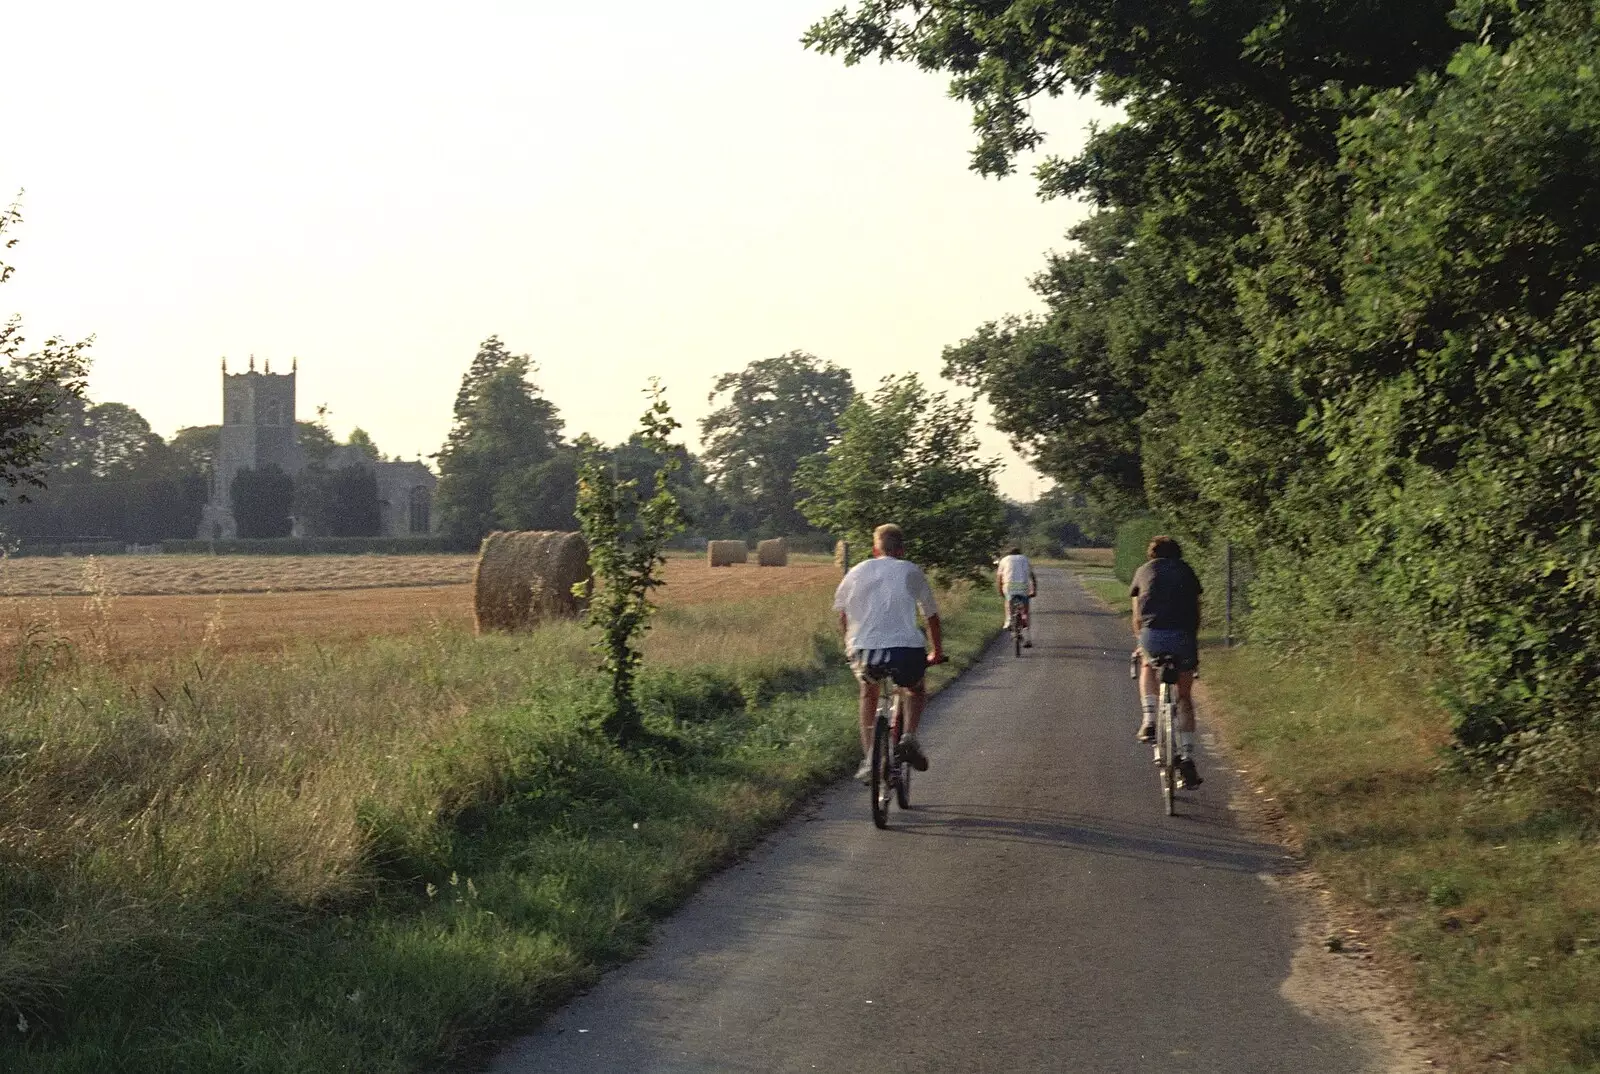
882	758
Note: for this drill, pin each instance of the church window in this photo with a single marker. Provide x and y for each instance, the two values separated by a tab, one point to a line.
419	501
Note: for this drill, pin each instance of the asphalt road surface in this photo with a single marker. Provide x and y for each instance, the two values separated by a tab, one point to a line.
1033	911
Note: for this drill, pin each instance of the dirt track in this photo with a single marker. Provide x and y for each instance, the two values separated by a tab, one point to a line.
144	626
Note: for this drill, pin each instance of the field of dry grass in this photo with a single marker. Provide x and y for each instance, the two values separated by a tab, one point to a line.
46	576
276	602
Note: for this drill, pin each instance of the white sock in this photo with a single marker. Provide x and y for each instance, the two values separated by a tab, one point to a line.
1148	706
1185	743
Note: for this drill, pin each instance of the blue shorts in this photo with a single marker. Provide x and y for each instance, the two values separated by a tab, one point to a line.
906	665
1181	644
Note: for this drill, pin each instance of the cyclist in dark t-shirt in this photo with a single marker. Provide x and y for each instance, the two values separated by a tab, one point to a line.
1166	621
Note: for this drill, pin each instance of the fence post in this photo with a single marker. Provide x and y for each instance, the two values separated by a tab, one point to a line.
1227	600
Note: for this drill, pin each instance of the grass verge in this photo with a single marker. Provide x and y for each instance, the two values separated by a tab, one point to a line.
1489	910
383	857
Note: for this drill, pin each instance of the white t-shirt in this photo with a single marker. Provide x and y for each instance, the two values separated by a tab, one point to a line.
880	598
1015	573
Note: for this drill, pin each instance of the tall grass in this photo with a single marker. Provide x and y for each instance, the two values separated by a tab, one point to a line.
370	857
1491	902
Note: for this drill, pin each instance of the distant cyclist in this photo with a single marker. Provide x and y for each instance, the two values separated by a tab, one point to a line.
1166	622
1014	577
877	604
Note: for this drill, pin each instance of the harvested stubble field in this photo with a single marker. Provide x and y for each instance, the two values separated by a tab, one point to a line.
136	607
49	576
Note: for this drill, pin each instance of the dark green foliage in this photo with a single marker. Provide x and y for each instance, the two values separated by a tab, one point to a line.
109	476
1133	543
503	433
1336	308
315	439
542	496
129	511
262	501
37	389
777	412
627	533
1059	519
337	502
909	457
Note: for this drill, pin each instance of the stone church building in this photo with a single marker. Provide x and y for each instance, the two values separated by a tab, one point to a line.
258	429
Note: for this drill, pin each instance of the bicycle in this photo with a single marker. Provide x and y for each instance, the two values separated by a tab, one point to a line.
1018	615
891	775
1166	751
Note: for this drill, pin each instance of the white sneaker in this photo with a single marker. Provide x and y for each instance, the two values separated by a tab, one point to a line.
864	773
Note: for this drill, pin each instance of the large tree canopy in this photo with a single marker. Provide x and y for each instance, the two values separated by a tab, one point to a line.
1337	307
909	456
774	413
503	432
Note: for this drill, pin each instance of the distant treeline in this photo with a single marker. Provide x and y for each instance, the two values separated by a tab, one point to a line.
108	477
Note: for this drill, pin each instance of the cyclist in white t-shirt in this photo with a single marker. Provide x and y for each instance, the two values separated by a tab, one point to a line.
1014	577
877	604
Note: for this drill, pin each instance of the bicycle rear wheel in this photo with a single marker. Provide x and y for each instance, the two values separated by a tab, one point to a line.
882	758
1016	640
1167	745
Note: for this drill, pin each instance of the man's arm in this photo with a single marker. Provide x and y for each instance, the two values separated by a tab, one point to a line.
1134	617
1033	584
935	636
844	626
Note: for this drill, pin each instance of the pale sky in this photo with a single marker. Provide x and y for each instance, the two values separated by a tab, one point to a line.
627	190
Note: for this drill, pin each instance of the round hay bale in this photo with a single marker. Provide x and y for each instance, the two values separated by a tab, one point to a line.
726	553
841	555
526	577
773	553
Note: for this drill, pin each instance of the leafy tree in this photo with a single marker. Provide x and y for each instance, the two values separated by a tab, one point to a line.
340	501
1061	519
909	457
1337	307
627	532
315	440
502	429
361	440
263	498
194	447
543	496
776	412
35	388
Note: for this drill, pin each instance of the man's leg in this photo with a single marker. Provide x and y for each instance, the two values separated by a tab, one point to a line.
1027	623
1191	777
869	714
916	699
1149	699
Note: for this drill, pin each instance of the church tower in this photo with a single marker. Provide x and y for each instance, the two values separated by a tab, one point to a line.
258	429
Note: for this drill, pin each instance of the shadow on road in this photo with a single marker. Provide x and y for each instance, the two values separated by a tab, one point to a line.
1096	835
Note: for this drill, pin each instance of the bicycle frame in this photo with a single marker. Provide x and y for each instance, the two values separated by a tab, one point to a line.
1017	613
891	777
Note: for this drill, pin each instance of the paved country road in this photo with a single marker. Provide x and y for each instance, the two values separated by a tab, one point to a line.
1034	911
